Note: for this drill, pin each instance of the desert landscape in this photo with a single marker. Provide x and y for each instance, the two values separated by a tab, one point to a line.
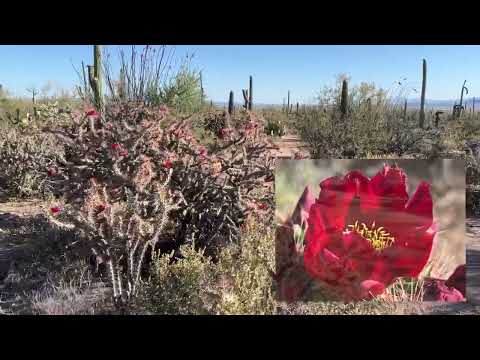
136	193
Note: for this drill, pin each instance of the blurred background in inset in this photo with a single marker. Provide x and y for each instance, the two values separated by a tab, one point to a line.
447	179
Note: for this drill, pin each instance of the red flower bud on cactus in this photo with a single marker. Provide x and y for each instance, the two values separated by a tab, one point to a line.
55	210
167	164
203	151
115	146
102	207
263	206
92	113
222	133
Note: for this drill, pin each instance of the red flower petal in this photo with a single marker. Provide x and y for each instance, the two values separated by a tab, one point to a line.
167	164
115	146
334	202
371	288
55	210
420	207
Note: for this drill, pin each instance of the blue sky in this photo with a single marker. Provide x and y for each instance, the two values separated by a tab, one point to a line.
303	70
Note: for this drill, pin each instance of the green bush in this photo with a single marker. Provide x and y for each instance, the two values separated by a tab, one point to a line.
24	161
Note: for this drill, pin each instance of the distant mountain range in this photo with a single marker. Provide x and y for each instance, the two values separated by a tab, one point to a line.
411	104
443	104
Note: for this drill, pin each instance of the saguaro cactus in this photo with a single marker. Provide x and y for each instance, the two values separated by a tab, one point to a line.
288	102
344	99
201	88
230	104
473	105
250	99
405	110
95	78
464	89
422	100
245	98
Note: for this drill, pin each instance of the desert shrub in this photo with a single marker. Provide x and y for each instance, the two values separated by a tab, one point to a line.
24	160
214	122
238	282
149	77
141	179
274	128
178	286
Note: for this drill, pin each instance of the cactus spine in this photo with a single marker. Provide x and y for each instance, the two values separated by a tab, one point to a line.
230	104
344	99
95	78
422	100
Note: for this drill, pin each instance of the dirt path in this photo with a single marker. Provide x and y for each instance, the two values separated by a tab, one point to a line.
288	146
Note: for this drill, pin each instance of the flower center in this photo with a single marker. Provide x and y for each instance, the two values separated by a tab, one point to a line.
378	237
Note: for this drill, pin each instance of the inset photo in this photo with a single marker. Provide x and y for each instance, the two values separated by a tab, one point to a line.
381	230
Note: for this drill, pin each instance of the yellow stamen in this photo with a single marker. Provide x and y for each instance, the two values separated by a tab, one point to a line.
379	238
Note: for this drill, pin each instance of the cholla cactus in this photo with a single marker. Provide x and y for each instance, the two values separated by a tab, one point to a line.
131	183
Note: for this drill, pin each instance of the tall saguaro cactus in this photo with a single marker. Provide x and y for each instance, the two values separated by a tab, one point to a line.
422	100
250	98
344	99
288	102
230	104
464	89
95	75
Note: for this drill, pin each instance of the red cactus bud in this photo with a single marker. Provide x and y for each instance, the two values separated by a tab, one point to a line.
92	113
203	152
115	146
102	207
167	164
263	206
55	210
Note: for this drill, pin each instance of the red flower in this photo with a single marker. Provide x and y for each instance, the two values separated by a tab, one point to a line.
167	164
115	146
222	133
451	290
55	210
92	113
102	207
263	206
364	233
